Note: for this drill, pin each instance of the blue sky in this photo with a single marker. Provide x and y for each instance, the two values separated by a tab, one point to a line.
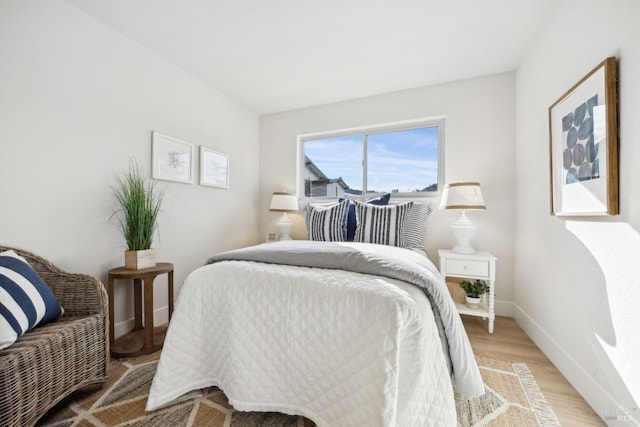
403	160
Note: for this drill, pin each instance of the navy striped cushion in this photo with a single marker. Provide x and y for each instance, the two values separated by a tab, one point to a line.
307	208
25	300
327	223
415	226
383	225
351	214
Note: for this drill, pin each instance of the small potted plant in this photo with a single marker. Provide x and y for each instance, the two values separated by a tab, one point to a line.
140	200
474	291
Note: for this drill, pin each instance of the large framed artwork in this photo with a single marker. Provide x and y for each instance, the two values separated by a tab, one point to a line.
214	168
583	132
172	159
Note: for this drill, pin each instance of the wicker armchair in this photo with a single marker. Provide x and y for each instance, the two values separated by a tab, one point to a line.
52	361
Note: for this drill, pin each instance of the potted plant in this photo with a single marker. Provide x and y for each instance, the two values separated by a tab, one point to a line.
139	201
474	291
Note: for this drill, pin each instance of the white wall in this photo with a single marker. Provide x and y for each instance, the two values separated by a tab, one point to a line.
479	145
577	281
77	101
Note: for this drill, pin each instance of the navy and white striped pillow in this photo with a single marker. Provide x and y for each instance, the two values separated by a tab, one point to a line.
415	226
327	223
25	299
306	209
383	225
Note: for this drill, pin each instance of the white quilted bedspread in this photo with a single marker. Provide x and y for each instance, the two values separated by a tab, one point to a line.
341	348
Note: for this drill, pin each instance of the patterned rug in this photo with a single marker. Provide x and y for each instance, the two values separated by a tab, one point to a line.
512	399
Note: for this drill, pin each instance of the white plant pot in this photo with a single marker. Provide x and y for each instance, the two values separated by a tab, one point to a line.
473	303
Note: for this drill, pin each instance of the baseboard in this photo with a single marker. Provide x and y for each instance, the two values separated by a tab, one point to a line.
160	317
503	308
598	398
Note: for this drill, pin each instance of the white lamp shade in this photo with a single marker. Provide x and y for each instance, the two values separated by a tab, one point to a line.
462	195
283	202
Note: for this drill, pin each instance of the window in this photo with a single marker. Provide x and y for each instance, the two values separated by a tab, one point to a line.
404	159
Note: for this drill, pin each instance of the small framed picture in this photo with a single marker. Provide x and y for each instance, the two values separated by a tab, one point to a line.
271	237
172	159
214	168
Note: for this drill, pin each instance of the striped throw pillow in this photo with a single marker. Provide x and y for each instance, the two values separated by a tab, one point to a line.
327	223
307	208
383	199
383	225
415	226
25	299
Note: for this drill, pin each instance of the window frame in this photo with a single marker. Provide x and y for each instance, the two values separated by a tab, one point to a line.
438	122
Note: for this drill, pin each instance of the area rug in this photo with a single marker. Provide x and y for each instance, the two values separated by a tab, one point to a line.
512	399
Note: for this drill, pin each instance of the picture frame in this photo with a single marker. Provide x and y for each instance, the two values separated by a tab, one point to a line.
172	159
214	168
583	146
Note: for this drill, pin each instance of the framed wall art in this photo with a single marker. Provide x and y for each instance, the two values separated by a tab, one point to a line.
583	133
214	168
172	159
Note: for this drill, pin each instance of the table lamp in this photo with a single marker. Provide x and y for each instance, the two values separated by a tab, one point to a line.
462	196
284	202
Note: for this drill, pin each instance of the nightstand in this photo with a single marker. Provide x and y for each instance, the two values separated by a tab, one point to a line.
144	338
480	265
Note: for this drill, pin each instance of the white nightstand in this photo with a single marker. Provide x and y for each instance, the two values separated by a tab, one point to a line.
481	265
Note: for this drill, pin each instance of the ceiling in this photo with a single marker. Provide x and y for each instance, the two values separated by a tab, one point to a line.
279	55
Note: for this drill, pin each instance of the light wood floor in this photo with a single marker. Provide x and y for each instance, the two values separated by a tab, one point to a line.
510	343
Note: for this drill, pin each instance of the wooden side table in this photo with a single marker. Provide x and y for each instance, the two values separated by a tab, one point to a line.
142	339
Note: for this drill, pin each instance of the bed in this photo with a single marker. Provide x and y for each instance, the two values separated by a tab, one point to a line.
343	333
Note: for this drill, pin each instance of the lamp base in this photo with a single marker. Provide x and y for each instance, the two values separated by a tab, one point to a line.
285	226
465	250
463	230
